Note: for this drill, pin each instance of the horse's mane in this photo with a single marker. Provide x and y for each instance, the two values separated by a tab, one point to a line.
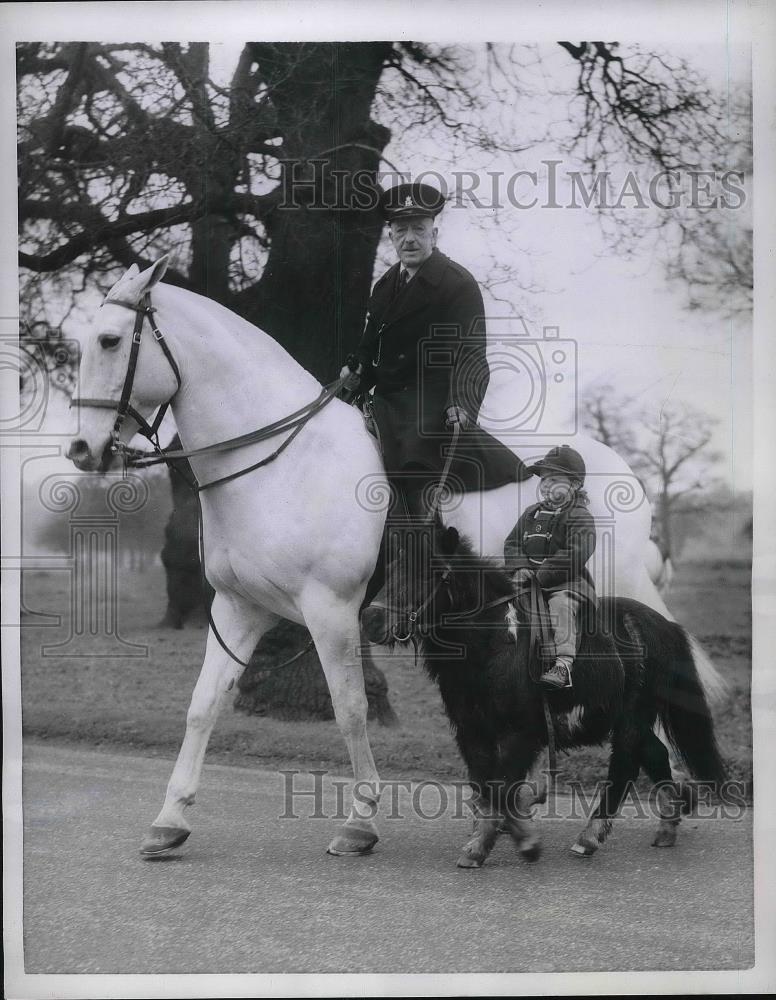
480	585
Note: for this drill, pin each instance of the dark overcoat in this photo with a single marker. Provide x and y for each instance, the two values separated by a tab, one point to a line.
423	349
572	543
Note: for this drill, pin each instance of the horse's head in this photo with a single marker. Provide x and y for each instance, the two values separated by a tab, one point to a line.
105	362
417	591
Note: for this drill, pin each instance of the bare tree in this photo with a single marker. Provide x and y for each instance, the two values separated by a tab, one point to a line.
690	146
604	413
259	187
677	457
669	450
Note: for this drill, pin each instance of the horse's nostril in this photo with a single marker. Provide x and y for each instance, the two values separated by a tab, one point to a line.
78	449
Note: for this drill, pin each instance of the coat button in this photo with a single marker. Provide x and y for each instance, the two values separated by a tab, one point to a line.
401	357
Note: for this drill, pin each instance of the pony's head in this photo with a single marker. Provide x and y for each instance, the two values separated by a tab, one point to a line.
105	361
417	588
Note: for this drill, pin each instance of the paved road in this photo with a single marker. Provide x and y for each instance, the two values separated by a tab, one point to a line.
250	892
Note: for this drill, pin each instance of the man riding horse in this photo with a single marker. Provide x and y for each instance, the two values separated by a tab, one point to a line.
423	353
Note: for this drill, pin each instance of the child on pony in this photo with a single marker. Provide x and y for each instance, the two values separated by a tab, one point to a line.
553	540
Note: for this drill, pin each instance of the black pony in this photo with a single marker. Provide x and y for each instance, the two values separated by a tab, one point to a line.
633	668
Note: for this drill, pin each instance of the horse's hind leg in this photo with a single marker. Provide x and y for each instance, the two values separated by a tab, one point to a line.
655	761
241	628
623	769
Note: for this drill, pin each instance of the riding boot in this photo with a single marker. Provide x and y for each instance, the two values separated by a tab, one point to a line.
409	510
417	499
559	674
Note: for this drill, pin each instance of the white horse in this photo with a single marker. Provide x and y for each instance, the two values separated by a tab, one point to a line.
660	570
297	538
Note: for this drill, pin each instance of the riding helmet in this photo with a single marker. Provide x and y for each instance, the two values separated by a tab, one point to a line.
561	459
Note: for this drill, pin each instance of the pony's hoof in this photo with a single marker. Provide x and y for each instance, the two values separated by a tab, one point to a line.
351	841
664	838
469	861
531	853
161	839
583	850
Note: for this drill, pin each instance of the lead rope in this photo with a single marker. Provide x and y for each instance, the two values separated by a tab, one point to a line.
434	507
539	637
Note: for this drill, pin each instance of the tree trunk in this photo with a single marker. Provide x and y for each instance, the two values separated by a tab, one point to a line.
313	293
664	518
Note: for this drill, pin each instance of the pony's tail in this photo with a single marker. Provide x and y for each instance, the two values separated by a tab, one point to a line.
684	711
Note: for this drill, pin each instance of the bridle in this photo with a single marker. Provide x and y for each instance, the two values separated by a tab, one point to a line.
412	617
123	407
293	422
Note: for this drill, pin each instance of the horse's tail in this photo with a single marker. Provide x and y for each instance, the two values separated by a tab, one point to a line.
682	705
714	684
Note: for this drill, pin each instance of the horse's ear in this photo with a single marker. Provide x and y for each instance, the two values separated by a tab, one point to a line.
134	282
131	272
154	274
449	541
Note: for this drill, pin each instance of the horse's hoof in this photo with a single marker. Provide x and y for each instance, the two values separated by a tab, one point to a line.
664	838
583	850
351	841
161	839
467	861
532	852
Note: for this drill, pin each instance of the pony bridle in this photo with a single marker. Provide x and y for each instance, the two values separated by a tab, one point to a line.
412	617
123	406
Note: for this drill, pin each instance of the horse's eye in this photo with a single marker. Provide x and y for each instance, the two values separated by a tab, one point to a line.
109	341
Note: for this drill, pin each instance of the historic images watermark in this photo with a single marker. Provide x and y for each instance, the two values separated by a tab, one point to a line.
317	794
318	185
43	362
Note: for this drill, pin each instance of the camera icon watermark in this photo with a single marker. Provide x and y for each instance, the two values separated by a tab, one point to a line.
533	382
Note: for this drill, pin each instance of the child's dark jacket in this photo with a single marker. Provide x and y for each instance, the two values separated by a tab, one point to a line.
559	562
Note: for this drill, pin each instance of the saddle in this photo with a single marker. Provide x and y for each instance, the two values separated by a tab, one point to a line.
366	406
363	403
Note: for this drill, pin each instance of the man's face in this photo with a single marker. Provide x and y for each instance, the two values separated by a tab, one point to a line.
413	240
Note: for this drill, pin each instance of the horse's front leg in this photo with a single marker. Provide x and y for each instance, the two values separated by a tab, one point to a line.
333	624
623	769
240	626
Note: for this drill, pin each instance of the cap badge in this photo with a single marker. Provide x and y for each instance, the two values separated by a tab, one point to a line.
408	201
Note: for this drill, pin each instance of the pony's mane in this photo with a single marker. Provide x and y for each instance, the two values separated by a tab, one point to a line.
478	580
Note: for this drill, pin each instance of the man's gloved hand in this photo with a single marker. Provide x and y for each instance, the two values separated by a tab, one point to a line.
456	415
523	577
353	368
